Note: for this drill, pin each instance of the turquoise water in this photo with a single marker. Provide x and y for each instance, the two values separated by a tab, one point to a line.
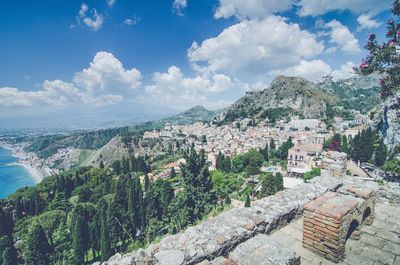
12	177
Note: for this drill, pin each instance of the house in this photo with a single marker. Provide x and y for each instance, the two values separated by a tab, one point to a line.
301	158
352	132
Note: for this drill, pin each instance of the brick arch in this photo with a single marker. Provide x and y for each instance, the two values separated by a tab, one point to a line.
353	226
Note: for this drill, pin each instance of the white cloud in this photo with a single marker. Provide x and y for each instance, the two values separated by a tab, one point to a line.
310	70
173	88
243	9
90	17
345	71
111	3
131	21
320	7
105	82
365	21
178	6
254	47
342	36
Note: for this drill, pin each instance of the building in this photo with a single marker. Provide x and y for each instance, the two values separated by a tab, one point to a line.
301	158
352	132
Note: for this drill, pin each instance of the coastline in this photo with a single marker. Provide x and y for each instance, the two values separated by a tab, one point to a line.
34	173
29	161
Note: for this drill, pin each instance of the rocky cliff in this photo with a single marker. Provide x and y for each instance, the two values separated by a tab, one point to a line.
286	96
388	124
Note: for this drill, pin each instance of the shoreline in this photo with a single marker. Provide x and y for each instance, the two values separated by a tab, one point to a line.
34	173
27	161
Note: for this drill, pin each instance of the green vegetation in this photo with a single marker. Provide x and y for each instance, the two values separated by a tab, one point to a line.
393	167
87	214
270	184
311	174
276	114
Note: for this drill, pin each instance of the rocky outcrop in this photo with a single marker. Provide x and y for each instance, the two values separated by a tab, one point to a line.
389	124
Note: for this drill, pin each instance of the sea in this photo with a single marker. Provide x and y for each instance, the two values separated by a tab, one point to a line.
12	176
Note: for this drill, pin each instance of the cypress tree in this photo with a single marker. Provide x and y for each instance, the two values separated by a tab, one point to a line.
38	248
80	235
146	183
380	153
105	242
345	145
272	145
247	202
101	164
173	173
279	182
265	153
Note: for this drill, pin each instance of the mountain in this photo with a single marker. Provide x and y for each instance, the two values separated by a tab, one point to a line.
195	114
286	96
358	93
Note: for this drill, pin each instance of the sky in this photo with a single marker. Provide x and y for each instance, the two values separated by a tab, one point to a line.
172	53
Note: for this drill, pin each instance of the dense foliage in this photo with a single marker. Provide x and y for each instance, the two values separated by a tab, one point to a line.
385	59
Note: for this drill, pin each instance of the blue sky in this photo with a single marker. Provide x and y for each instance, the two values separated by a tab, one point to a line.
59	54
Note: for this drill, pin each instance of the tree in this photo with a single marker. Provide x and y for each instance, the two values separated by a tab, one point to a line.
101	164
203	139
336	143
272	145
282	152
247	201
116	165
279	182
105	243
268	185
385	59
362	146
80	235
380	153
345	145
173	173
265	152
37	249
135	206
50	221
146	183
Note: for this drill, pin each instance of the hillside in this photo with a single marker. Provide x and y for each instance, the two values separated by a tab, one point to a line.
286	96
197	113
358	93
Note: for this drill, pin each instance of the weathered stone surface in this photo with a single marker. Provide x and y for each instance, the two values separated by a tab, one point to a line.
169	257
263	251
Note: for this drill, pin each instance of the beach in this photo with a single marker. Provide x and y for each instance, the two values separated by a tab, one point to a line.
29	161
